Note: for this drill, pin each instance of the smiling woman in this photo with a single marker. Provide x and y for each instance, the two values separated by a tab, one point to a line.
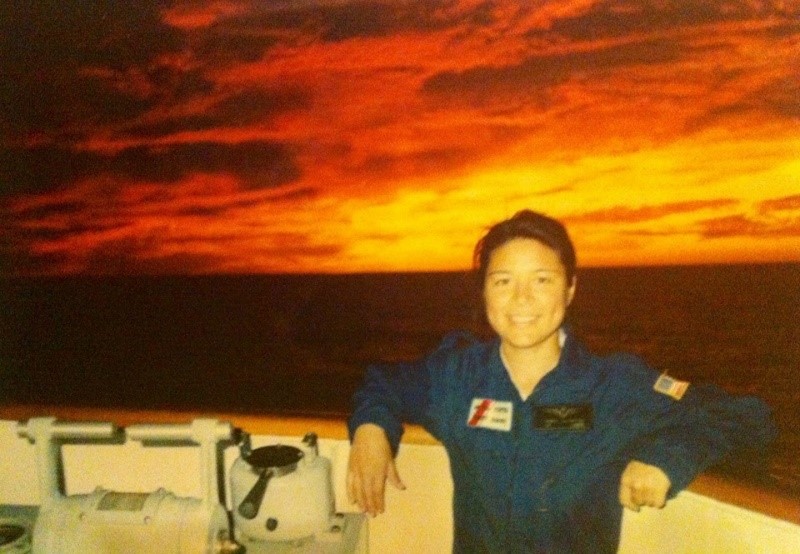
547	442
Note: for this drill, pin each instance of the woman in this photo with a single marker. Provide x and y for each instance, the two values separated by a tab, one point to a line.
547	441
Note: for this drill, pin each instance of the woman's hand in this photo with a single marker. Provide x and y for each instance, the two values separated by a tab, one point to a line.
643	485
370	465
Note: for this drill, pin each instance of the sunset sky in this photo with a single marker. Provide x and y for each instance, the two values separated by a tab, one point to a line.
293	136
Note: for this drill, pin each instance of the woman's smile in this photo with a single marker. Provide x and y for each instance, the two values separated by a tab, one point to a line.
521	319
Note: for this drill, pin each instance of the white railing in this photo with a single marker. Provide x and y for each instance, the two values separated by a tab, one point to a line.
418	519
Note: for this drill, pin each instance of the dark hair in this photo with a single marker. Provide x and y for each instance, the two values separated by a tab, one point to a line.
525	224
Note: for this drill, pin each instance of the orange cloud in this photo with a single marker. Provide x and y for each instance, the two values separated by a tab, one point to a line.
294	137
625	214
787	203
738	226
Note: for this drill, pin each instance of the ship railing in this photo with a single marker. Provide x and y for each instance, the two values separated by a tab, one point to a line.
715	514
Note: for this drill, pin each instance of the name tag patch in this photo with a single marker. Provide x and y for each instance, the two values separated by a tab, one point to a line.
563	417
491	414
671	387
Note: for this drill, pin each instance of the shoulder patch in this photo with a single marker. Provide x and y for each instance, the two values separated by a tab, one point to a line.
671	387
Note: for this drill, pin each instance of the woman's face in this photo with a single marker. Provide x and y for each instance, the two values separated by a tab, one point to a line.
526	293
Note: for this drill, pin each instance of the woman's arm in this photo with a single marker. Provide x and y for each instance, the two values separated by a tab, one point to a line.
700	429
390	396
371	464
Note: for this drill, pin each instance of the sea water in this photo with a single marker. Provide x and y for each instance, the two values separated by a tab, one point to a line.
298	344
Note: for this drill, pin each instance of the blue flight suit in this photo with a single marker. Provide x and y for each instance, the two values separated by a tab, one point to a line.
545	485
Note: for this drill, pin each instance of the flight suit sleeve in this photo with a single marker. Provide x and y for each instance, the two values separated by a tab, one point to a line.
391	395
701	428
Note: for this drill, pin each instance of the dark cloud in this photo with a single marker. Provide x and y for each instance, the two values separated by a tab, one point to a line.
613	19
286	250
786	203
339	21
744	226
335	22
258	105
201	211
533	78
219	206
430	161
44	168
778	99
224	44
181	263
540	193
554	190
17	260
302	193
47	34
50	210
370	19
237	110
359	20
62	102
787	29
260	164
247	36
314	250
171	126
72	64
484	141
620	214
246	107
70	230
108	213
137	256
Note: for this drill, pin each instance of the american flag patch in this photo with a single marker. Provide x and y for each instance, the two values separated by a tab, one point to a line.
671	387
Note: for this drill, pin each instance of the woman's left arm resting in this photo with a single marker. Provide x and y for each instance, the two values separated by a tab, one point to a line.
643	485
692	434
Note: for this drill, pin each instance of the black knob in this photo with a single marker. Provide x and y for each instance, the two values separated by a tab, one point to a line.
248	510
272	524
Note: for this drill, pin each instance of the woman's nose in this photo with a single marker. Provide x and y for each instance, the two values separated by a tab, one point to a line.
523	291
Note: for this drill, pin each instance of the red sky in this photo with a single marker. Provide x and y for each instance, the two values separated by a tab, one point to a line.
343	136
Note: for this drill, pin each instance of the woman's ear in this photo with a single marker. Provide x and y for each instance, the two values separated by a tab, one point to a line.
571	290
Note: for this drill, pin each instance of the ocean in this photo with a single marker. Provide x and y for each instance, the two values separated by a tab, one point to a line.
298	344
